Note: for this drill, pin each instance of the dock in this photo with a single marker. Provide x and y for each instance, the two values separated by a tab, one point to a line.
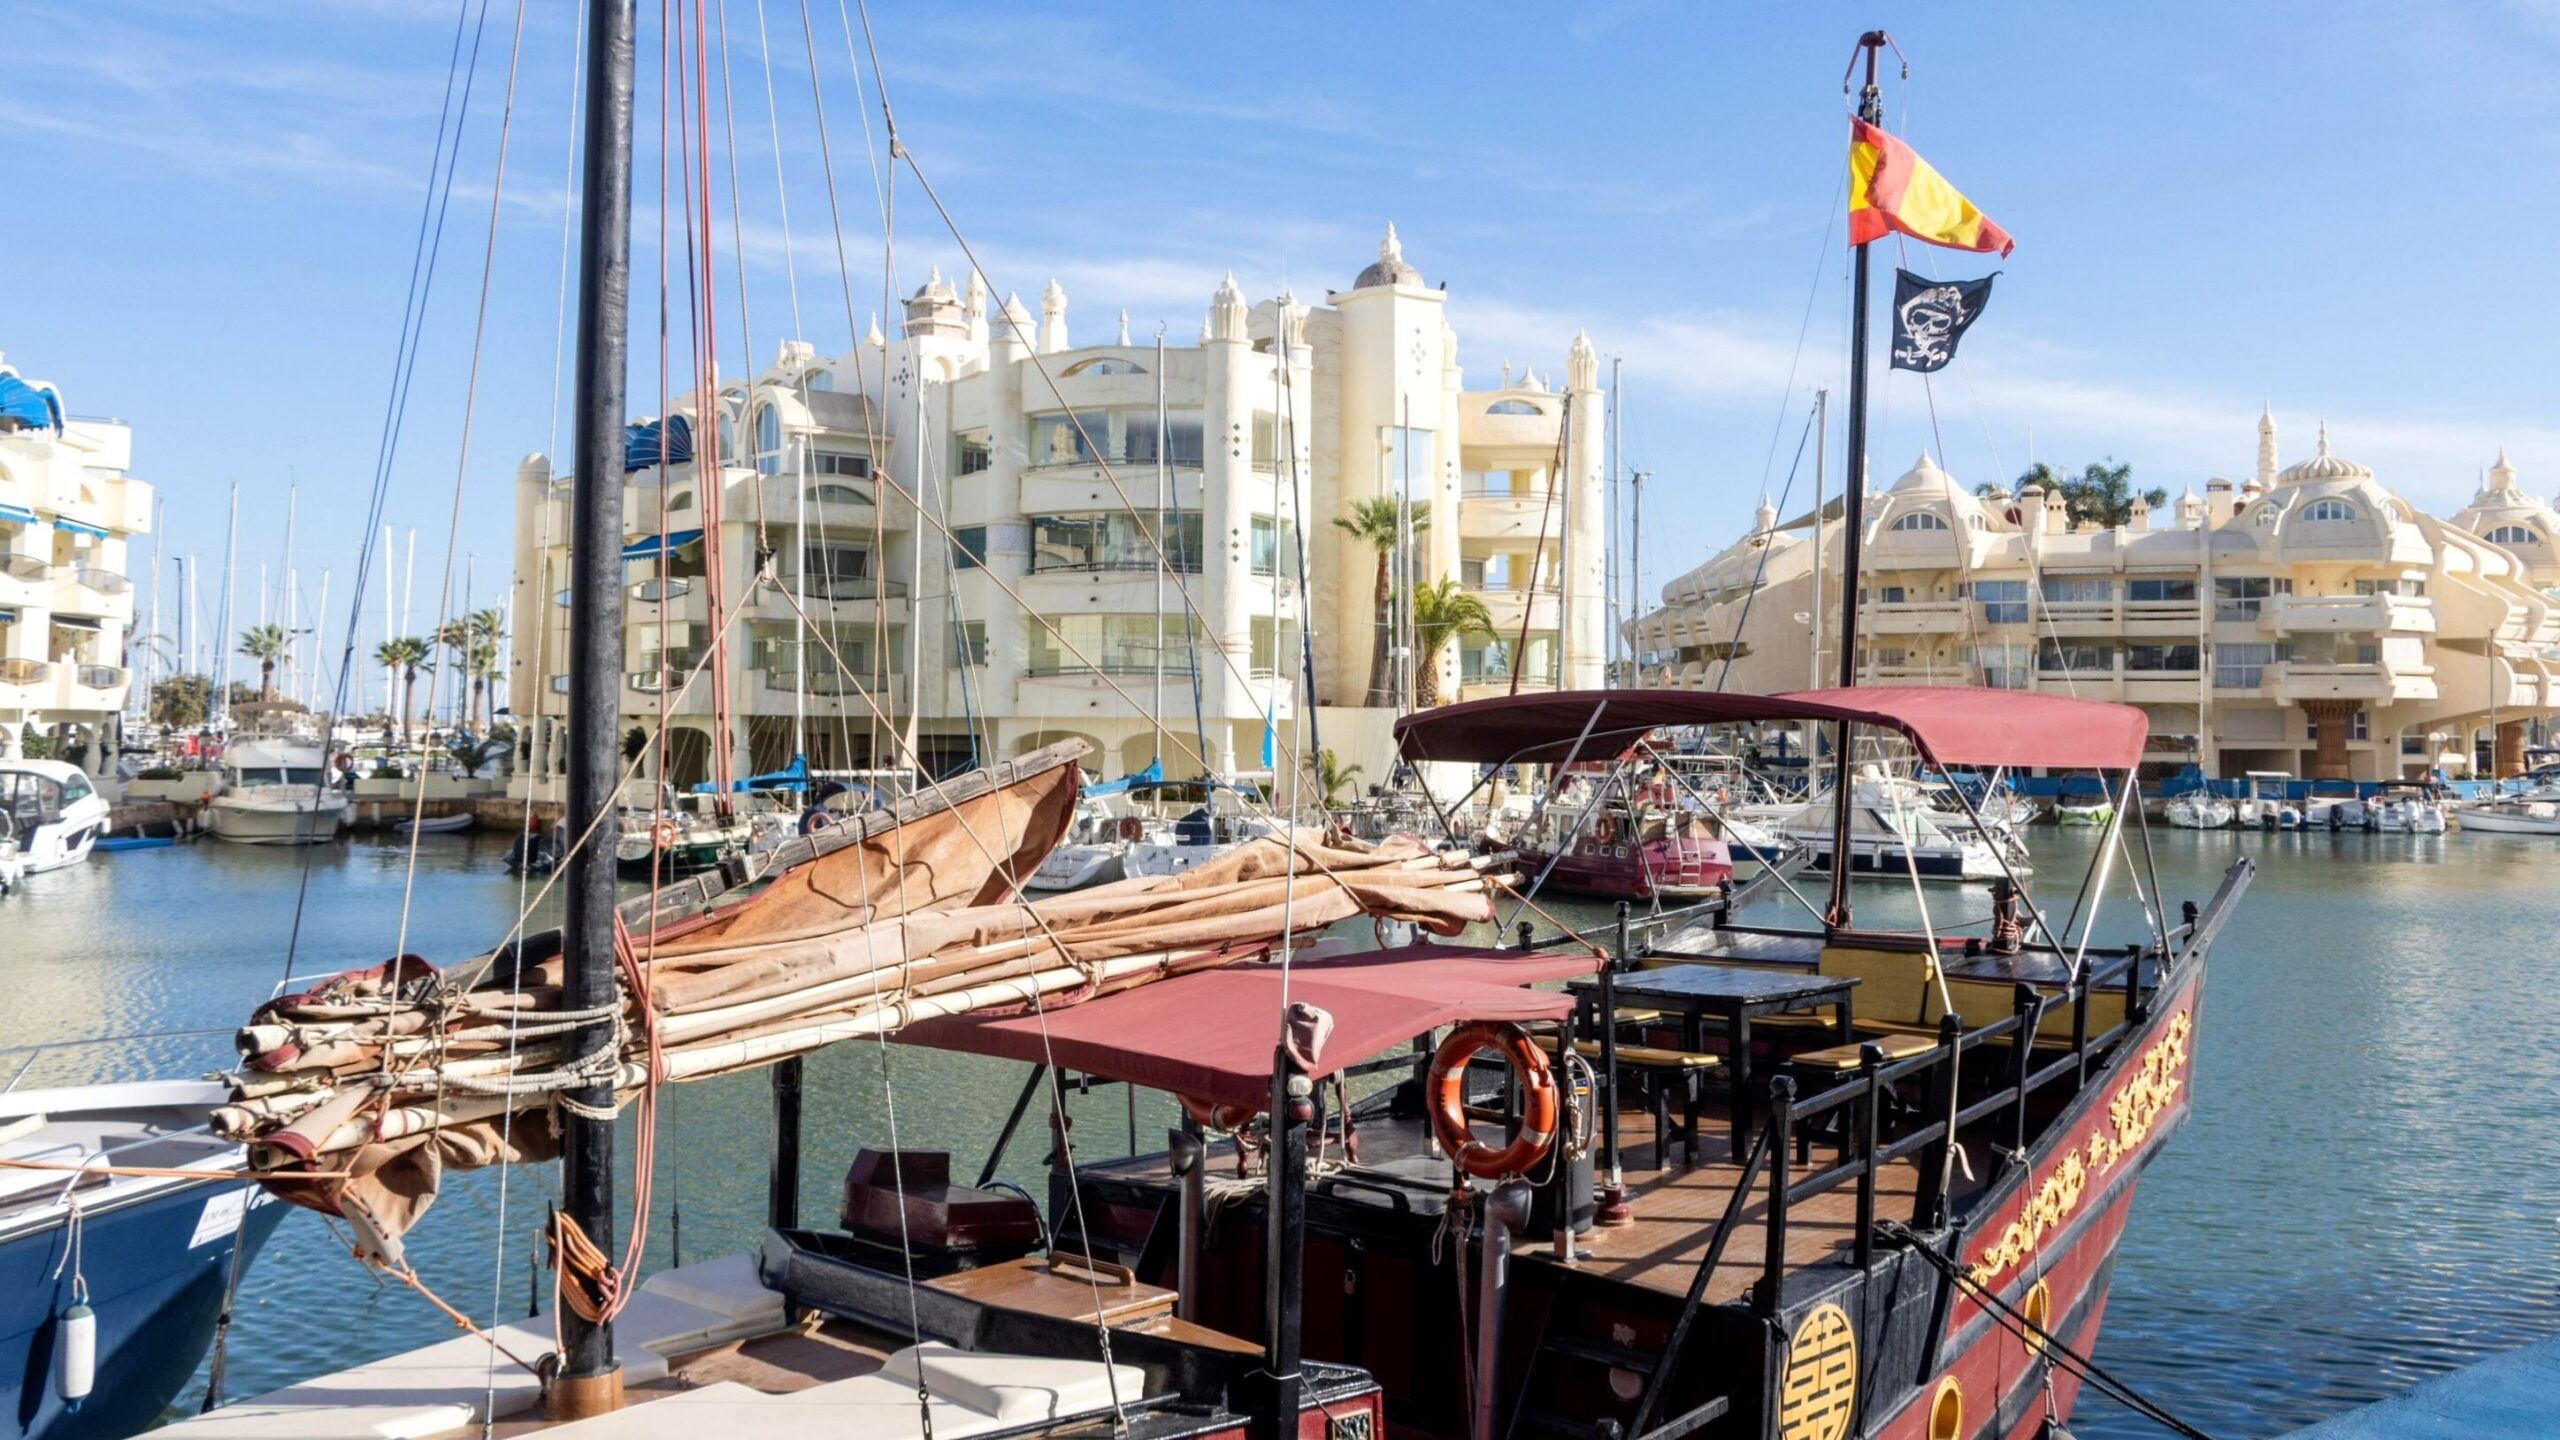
2510	1395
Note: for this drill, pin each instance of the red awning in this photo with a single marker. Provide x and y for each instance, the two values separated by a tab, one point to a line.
1210	1034
1952	726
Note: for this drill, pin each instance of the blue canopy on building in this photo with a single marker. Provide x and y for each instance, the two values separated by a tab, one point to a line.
650	547
81	527
18	515
28	402
656	442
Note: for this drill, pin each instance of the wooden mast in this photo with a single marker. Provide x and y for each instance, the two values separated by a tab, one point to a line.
1853	517
590	1379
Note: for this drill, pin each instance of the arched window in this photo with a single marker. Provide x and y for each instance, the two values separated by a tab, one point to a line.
818	381
831	493
768	441
1104	365
2513	535
2268	515
1512	407
1921	520
2330	510
1976	522
681	500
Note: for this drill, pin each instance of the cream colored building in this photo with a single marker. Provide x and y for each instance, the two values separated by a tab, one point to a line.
2307	620
67	513
1026	473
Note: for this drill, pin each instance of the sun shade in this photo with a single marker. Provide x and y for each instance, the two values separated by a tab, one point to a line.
1210	1034
1951	726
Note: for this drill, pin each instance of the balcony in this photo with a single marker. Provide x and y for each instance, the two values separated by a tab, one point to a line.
100	581
2298	680
98	677
2347	614
2162	617
1502	515
1916	617
2079	614
1506	607
27	568
23	672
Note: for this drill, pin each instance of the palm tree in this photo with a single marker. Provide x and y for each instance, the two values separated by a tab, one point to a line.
1333	777
2102	494
404	654
268	645
1373	522
1442	612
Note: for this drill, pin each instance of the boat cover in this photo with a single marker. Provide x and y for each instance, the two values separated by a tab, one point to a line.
1950	725
1210	1034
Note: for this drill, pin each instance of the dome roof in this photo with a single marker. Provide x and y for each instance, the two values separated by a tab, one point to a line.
1390	268
1924	475
2324	466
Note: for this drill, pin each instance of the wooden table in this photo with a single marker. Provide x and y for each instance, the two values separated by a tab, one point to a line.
1734	995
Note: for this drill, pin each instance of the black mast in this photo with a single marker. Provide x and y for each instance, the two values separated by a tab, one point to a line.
590	1379
1853	515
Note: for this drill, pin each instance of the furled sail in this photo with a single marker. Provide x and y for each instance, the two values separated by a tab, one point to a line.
354	1096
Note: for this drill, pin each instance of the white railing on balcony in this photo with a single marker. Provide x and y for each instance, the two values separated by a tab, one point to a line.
22	672
650	592
2162	612
99	677
25	567
2077	612
104	582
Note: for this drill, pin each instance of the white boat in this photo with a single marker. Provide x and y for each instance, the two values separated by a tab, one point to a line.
2511	817
13	866
56	814
274	792
1887	837
2406	809
2326	808
1216	823
1094	851
2201	810
2265	806
435	824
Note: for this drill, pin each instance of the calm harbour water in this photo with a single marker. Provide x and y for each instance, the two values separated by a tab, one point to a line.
2366	1195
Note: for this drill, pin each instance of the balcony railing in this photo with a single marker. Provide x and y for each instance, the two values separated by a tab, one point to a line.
104	582
99	677
670	673
651	592
22	672
1145	565
816	680
1102	667
25	567
844	587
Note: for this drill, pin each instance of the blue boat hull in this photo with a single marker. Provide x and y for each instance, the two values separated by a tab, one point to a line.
156	1270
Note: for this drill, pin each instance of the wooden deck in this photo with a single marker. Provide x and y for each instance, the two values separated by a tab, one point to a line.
1676	1211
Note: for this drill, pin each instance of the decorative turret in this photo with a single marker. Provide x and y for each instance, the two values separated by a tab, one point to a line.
1227	314
2323	466
973	306
1010	331
2502	476
1124	328
1581	366
872	337
2191	508
935	309
1765	519
1053	319
1390	268
2266	445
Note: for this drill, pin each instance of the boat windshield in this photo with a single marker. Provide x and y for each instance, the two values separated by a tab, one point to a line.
280	775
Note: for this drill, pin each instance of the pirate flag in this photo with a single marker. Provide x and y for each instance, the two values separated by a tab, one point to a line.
1930	316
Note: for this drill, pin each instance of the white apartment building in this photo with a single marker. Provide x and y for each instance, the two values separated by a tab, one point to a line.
67	513
2307	620
962	514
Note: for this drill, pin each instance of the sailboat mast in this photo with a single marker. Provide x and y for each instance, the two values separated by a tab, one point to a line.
1609	671
590	1379
1164	559
221	707
1852	516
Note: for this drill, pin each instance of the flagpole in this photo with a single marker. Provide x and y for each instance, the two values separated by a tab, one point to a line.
1853	517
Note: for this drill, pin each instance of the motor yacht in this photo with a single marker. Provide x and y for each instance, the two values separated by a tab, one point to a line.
275	791
55	815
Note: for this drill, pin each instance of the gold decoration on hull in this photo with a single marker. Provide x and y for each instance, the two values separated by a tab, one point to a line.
1820	1390
2134	1112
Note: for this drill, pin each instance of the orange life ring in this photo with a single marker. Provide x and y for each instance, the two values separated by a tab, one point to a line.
1448	1091
1131	828
1605	830
1211	1116
664	835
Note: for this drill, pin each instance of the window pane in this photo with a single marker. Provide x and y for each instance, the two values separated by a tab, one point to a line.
968	547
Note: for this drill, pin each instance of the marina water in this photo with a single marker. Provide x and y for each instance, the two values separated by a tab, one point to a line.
2368	1194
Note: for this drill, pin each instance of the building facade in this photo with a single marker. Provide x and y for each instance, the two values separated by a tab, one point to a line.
68	511
2306	620
964	525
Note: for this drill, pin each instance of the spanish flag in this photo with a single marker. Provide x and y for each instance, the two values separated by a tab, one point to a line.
1892	188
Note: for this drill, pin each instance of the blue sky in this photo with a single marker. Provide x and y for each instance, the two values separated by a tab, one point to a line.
2344	208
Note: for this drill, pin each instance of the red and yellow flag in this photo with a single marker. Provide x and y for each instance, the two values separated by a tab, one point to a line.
1892	188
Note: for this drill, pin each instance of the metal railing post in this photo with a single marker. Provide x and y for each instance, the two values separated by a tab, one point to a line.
2023	1059
1870	1063
1929	1205
1782	1119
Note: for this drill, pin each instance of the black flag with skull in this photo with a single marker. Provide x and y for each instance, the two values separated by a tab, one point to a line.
1930	316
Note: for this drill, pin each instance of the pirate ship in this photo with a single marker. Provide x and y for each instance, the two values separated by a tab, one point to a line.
1807	1182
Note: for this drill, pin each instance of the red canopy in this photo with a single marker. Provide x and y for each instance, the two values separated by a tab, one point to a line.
1210	1034
1951	726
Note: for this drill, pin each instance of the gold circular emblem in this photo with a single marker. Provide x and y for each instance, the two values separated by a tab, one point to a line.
1821	1387
2038	1308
